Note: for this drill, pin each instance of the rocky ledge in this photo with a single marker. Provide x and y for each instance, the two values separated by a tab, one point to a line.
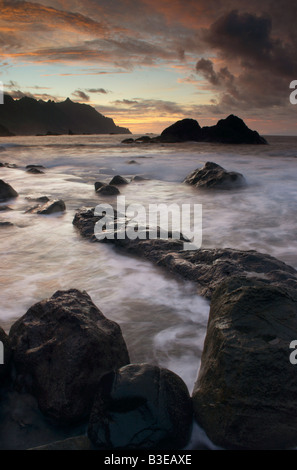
246	391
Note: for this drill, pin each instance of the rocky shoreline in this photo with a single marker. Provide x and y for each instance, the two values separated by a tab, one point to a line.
67	381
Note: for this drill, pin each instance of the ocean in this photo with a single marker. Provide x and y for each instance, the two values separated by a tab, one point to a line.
162	318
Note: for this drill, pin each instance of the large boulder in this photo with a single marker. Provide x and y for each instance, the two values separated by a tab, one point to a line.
5	354
61	348
246	393
182	131
6	191
141	406
213	176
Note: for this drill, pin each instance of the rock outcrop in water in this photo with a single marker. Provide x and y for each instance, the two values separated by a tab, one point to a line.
61	348
28	116
50	207
246	391
141	406
6	191
231	130
245	395
213	176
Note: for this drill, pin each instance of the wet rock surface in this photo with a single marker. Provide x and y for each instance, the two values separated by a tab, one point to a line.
213	176
141	406
48	208
246	393
6	191
207	267
61	348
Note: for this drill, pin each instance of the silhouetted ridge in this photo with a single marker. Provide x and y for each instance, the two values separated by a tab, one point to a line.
28	116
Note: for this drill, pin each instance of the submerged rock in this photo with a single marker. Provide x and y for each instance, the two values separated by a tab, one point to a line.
108	190
40	167
99	185
118	180
141	406
128	141
246	393
6	191
206	267
6	223
213	176
50	207
61	348
35	171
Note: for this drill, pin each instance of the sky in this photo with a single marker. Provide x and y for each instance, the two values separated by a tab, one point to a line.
149	63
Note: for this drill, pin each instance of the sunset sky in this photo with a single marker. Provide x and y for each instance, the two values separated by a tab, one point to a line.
148	63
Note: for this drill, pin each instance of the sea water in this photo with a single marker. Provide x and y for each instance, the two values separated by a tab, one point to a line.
162	318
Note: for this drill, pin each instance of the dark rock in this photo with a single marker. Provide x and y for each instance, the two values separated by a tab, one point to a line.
28	167
98	185
213	176
5	355
128	141
85	220
145	139
246	393
141	406
6	191
61	348
11	165
50	207
182	131
118	180
138	178
72	443
6	224
208	268
132	162
108	190
35	171
231	130
5	208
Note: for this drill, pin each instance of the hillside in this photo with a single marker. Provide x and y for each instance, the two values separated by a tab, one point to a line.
28	116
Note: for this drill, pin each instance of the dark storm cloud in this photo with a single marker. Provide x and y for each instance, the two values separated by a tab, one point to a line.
250	39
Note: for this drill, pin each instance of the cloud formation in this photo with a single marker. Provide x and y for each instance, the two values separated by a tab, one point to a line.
239	53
